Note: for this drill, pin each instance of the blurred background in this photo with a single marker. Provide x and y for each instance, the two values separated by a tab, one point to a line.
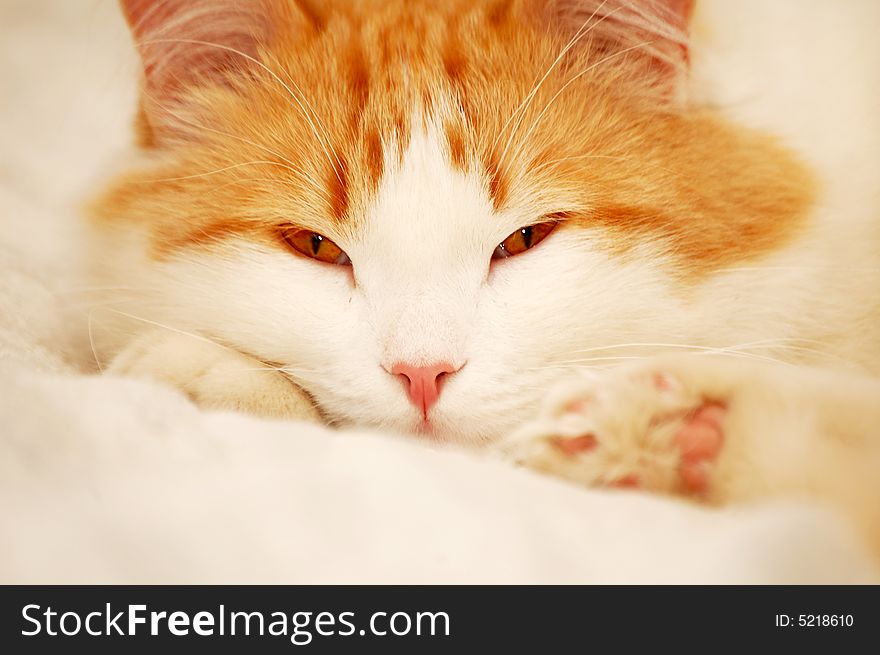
68	82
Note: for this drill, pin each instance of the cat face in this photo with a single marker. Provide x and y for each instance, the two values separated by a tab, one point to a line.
426	213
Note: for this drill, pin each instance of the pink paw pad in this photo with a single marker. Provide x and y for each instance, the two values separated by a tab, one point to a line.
626	482
575	445
700	440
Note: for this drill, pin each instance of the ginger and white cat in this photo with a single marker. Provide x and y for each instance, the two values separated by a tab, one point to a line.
437	217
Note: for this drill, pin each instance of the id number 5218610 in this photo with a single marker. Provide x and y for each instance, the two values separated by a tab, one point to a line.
814	620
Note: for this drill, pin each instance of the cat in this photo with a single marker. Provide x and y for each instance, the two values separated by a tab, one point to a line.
514	224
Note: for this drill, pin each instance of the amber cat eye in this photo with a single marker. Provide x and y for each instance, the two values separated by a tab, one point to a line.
315	246
523	239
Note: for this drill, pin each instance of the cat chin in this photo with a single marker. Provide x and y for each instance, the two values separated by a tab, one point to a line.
470	432
456	435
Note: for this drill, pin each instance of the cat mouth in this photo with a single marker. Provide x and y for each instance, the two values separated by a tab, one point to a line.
425	428
428	430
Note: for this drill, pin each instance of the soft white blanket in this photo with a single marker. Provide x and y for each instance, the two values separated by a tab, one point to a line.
112	480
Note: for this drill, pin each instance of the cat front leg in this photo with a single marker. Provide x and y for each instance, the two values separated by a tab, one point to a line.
214	376
714	429
637	427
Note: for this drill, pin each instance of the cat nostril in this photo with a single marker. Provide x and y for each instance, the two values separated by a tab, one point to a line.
424	383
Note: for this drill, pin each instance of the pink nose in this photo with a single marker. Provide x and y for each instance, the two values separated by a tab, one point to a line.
424	382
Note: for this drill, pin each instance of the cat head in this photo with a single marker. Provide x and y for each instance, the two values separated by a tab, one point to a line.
427	212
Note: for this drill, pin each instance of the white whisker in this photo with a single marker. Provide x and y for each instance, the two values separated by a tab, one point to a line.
641	162
92	343
255	162
171	329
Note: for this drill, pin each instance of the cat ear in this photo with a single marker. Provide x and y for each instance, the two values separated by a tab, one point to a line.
654	33
189	43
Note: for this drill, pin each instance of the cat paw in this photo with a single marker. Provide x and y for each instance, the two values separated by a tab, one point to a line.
700	440
644	427
213	376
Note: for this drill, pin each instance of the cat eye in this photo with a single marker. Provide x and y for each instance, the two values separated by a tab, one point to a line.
523	239
315	246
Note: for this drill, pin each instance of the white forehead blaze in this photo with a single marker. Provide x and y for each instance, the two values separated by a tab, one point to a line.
426	209
425	251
